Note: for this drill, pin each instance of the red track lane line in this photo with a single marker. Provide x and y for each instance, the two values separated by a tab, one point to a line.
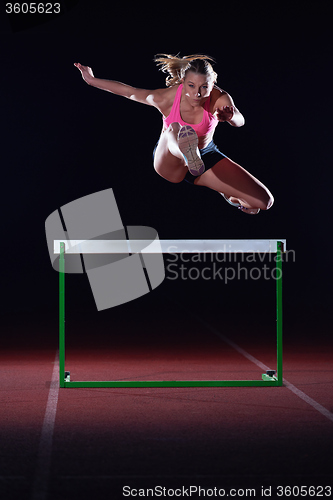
42	473
317	406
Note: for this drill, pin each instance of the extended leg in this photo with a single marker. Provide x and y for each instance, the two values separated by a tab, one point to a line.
238	185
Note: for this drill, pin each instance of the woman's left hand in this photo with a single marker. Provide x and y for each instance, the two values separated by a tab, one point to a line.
225	113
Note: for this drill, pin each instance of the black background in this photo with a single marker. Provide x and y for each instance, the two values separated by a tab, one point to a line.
62	139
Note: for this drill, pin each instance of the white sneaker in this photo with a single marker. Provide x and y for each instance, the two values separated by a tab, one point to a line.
238	205
250	211
188	144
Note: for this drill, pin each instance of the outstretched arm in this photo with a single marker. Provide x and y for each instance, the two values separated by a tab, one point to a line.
118	88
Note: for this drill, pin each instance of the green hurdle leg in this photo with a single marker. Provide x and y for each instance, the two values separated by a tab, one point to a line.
62	315
279	311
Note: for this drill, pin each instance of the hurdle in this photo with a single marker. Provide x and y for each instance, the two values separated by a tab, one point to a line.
269	379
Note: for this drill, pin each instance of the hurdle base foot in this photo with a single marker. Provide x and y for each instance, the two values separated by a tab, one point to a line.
269	376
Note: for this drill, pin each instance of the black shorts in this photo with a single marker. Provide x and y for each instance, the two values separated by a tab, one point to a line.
210	156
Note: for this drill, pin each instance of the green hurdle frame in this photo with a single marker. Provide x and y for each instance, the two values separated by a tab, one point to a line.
269	379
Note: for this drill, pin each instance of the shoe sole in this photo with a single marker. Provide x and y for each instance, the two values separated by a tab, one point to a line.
188	144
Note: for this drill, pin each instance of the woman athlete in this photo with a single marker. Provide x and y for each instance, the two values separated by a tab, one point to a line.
192	106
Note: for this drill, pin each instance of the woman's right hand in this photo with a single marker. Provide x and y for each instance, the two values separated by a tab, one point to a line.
86	72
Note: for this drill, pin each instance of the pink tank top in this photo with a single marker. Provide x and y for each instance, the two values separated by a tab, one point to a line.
207	124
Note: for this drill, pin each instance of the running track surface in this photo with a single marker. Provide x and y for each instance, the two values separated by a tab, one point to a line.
90	443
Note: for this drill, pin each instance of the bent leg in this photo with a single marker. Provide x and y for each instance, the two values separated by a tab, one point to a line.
169	161
238	185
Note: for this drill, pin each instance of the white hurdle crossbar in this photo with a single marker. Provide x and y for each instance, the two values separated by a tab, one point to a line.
63	247
167	246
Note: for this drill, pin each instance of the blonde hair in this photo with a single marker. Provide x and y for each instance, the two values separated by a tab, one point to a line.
177	67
